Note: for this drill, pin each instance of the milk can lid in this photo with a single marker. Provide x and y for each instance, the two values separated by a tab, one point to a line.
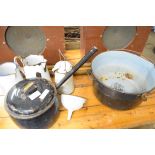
62	67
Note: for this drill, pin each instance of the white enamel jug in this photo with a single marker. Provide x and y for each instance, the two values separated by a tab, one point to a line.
32	65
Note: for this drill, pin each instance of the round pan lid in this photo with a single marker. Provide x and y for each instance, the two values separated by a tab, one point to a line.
30	98
118	37
25	40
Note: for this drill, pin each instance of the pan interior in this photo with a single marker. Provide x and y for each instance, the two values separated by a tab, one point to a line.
124	72
25	40
118	37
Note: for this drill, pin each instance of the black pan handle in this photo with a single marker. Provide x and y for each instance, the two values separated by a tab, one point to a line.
77	66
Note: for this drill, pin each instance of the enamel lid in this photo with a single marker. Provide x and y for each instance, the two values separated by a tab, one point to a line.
25	40
30	98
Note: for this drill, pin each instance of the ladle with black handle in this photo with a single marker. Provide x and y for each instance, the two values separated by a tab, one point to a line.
76	67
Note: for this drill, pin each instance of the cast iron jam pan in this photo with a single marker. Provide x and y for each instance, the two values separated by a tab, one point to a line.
121	79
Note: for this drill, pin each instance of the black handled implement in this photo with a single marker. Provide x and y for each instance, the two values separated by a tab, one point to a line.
77	66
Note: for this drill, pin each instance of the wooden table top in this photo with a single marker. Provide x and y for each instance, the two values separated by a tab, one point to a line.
95	115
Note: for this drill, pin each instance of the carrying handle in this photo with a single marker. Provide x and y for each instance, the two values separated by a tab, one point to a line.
148	94
19	62
89	73
77	66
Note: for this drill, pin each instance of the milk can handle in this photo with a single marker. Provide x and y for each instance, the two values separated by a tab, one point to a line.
77	66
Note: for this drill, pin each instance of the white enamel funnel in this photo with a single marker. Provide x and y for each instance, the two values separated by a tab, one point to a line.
72	103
